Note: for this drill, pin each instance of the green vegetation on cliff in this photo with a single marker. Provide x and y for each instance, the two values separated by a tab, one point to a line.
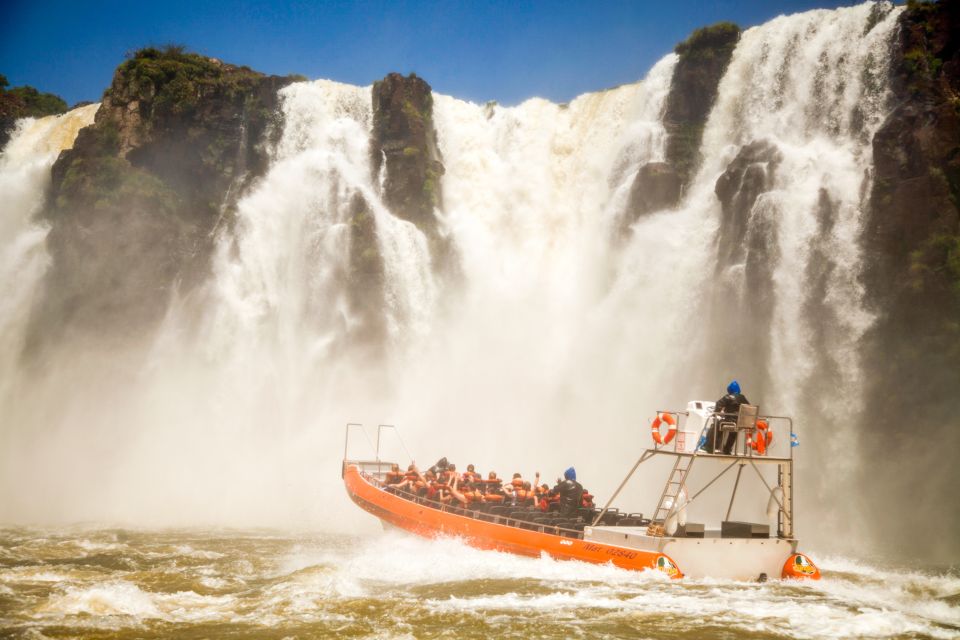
714	41
27	102
24	102
176	81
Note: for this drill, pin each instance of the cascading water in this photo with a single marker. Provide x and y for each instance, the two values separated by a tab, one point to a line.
799	103
556	328
24	174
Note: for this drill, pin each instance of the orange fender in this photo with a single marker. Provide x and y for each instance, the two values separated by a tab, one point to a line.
800	567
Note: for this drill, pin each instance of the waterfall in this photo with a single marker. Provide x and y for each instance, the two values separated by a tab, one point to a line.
24	175
554	347
811	90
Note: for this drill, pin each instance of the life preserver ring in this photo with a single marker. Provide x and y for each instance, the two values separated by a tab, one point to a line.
763	439
655	428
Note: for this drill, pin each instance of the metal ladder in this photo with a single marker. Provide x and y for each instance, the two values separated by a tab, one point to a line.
675	482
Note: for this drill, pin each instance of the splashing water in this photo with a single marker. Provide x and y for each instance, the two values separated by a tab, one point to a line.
122	583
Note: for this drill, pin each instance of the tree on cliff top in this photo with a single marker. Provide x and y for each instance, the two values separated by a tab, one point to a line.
27	102
705	41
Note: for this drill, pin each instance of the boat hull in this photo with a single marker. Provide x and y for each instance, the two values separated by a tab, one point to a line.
711	556
431	523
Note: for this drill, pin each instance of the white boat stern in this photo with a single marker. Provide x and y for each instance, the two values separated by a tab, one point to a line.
711	556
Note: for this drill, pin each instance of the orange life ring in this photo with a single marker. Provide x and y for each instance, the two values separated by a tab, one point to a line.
764	437
655	428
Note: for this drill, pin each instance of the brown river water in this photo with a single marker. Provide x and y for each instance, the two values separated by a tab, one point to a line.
121	583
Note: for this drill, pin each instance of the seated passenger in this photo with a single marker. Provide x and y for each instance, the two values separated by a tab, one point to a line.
493	489
587	500
394	476
525	495
543	497
515	483
449	482
471	475
410	480
428	487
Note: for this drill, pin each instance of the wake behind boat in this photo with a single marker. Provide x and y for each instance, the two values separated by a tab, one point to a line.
513	521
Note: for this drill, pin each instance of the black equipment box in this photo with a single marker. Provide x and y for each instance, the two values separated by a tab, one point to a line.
690	530
744	530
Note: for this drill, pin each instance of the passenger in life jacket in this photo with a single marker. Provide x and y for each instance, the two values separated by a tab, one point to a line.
726	410
471	485
394	476
449	486
586	501
471	475
542	497
525	495
428	486
493	489
570	492
511	488
412	480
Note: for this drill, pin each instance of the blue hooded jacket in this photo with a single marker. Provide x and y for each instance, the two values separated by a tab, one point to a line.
570	474
733	387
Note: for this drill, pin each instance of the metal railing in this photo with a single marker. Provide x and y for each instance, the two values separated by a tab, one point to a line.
740	448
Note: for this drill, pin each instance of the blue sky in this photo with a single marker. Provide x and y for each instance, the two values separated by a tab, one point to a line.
504	51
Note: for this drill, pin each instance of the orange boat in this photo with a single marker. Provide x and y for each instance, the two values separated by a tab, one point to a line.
486	531
666	542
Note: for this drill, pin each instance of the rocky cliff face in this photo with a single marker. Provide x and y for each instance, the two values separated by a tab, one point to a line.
404	147
133	207
404	153
912	241
746	238
704	57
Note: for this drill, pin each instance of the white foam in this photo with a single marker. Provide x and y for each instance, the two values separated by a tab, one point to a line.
120	598
108	599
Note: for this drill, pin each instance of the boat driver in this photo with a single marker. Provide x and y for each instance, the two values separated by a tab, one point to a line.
726	410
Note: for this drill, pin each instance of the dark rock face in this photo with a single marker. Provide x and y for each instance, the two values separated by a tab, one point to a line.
135	204
24	102
704	57
657	186
912	243
365	280
404	144
749	175
742	308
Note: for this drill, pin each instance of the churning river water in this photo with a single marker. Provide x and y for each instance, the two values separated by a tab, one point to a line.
119	583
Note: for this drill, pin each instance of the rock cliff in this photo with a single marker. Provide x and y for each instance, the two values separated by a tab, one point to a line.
912	243
746	241
133	207
703	59
404	147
